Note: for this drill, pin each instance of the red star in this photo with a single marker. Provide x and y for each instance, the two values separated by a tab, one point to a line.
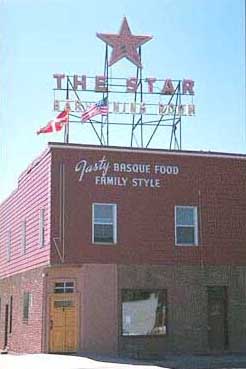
124	44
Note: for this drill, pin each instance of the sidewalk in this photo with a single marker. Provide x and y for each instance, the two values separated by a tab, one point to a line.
51	361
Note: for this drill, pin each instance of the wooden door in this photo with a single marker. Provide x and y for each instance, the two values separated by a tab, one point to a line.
64	322
217	318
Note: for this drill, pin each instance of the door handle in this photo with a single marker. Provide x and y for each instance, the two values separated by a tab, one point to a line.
51	324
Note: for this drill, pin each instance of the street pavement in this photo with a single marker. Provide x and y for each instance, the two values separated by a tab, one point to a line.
51	361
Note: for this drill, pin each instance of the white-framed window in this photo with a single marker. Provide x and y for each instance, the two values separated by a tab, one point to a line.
186	226
41	227
23	237
104	223
8	246
27	302
64	287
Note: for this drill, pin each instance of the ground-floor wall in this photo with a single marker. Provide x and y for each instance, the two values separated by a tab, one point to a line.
99	293
187	307
21	322
95	288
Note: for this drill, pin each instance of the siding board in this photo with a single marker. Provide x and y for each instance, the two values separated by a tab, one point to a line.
31	195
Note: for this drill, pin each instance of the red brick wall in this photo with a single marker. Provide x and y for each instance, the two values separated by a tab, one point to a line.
215	184
25	336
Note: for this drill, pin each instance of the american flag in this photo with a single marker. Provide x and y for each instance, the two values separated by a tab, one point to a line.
99	108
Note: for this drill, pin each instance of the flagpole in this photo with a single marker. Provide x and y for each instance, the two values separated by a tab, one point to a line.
66	132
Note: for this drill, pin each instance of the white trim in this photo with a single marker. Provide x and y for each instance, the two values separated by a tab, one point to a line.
151	151
114	206
195	225
64	287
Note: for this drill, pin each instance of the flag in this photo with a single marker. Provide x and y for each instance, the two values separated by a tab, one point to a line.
56	124
99	108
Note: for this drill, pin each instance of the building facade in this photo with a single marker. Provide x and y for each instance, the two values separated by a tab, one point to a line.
125	252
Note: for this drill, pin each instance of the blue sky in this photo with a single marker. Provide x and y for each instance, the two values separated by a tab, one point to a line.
199	39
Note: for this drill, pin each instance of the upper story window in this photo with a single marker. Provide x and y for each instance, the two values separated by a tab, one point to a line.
41	227
23	237
186	228
8	246
64	287
104	223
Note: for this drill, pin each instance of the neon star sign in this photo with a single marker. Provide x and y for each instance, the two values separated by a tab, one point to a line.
124	44
143	96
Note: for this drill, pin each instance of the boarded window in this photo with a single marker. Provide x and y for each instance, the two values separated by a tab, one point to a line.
144	312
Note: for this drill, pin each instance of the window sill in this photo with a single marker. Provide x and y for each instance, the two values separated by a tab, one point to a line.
186	244
144	335
104	244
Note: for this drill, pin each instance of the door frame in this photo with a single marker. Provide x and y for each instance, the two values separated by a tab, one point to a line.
225	320
63	296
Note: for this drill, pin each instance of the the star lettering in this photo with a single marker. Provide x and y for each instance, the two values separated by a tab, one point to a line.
124	44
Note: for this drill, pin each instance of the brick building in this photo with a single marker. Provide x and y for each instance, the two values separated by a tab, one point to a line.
125	251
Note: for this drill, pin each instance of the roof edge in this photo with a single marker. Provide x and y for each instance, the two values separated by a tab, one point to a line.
59	145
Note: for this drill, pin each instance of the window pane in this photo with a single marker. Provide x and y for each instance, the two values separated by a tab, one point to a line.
184	216
64	287
103	213
69	289
26	302
63	304
103	233
59	290
186	235
144	312
60	285
69	284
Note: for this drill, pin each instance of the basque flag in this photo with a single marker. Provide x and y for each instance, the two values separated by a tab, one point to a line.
56	124
99	108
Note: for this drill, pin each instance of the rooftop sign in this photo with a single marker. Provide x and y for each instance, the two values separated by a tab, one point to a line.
135	97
